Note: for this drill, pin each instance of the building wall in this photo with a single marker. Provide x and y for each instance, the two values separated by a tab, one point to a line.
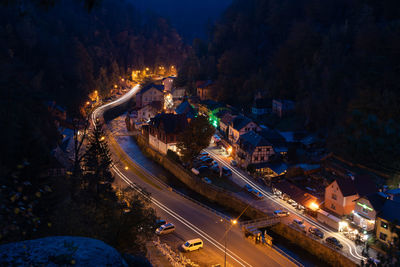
168	84
146	113
364	216
336	202
383	232
262	154
251	126
151	95
157	144
204	93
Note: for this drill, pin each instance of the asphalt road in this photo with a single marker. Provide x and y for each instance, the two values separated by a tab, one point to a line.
271	202
191	219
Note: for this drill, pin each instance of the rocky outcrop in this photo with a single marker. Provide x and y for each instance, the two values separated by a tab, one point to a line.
60	251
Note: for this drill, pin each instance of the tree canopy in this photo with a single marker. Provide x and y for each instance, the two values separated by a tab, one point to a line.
195	138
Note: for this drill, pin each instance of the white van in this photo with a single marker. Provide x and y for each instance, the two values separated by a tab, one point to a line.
165	229
193	244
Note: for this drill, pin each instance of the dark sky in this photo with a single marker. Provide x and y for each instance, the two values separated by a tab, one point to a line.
189	17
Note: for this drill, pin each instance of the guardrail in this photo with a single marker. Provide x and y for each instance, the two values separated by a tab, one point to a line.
277	249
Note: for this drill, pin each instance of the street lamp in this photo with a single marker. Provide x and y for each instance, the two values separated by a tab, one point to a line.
232	223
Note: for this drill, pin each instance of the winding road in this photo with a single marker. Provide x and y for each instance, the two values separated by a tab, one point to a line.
191	219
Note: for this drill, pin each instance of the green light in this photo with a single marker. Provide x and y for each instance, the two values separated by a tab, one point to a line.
364	206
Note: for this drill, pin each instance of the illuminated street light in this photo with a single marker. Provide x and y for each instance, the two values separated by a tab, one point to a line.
126	168
87	103
314	206
147	69
122	79
102	138
229	150
115	86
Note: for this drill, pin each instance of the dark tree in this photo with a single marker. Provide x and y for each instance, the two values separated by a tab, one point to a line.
195	138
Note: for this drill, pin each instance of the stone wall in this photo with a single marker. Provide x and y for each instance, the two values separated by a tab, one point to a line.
211	192
324	253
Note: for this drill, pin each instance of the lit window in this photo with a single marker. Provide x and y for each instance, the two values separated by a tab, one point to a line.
384	225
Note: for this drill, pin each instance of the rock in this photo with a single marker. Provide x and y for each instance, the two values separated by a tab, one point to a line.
60	251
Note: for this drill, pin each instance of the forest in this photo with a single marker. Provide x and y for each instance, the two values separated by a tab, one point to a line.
62	51
337	59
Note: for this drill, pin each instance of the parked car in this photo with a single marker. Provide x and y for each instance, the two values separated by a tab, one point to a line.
204	154
160	222
206	180
207	160
257	194
248	188
215	168
334	242
299	225
233	163
315	231
281	213
226	171
165	229
192	245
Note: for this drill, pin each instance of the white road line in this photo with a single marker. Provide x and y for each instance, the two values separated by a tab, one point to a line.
195	229
268	195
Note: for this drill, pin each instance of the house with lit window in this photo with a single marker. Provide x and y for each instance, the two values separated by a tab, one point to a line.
270	170
239	126
150	93
164	131
252	148
168	83
342	193
388	223
366	209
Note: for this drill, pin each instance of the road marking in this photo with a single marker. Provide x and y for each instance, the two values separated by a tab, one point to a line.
184	221
268	195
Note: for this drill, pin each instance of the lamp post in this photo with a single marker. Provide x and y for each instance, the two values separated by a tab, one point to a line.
232	223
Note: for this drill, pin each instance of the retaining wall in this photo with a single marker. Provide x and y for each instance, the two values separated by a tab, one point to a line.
324	253
211	192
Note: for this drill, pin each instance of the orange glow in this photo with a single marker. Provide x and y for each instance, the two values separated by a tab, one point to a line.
88	103
115	86
314	206
126	168
234	222
229	150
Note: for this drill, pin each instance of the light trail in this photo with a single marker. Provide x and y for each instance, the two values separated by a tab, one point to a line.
100	111
356	255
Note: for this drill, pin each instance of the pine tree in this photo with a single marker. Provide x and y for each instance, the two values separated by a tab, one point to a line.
97	176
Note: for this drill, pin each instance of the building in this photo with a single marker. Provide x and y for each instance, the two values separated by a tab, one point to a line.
261	107
302	198
187	109
225	121
149	111
252	149
239	126
271	169
282	107
150	93
164	131
168	83
366	209
276	139
342	193
388	223
178	94
204	89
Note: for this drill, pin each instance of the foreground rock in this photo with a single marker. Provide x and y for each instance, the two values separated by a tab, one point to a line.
60	250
